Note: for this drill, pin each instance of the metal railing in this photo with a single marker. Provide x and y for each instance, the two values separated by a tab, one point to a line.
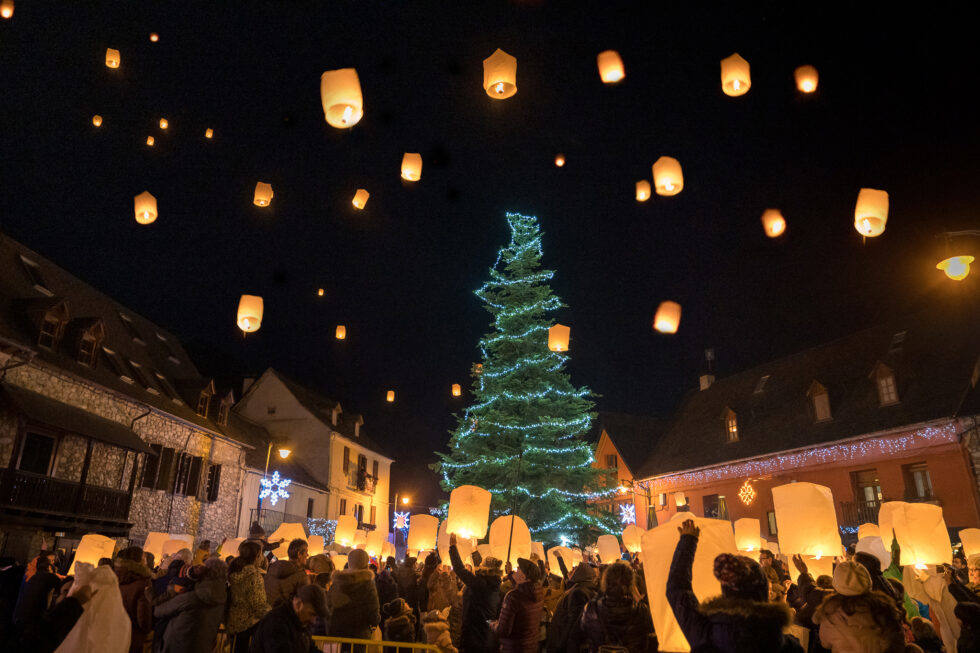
20	489
855	513
339	644
360	483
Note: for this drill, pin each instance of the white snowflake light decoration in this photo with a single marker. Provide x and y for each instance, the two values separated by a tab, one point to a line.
275	488
627	513
401	521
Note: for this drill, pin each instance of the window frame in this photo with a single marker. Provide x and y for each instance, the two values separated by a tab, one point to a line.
342	508
731	426
52	456
153	460
55	335
213	482
887	388
909	474
612	461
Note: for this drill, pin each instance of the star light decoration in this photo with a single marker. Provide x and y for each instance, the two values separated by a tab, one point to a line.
401	521
274	487
746	493
627	513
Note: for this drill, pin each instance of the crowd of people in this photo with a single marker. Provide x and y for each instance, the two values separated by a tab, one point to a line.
197	602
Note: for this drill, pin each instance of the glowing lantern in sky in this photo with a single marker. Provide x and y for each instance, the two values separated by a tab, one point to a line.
422	532
263	194
611	68
642	190
921	532
747	534
360	538
632	535
341	332
112	58
806	79
558	337
457	390
163	123
871	212
287	532
668	179
735	79
154	37
868	530
806	520
412	166
970	538
145	206
319	292
469	511
566	556
500	75
559	160
360	198
250	309
680	499
340	94
390	397
375	542
7	9
608	546
773	223
150	141
956	267
208	133
344	533
513	531
668	317
314	545
97	120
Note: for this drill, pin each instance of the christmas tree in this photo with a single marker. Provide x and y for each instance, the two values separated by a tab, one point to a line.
522	438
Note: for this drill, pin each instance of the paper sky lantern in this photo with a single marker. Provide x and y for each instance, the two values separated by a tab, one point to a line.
566	556
632	535
822	566
537	548
773	223
154	37
921	532
806	79
680	499
97	120
155	541
642	190
387	550
871	212
6	9
735	78
263	194
315	545
208	133
868	530
412	166
500	75
341	332
375	540
609	551
970	538
667	319
150	141
287	532
559	160
360	538
457	390
469	511
873	545
422	532
558	336
112	58
657	551
747	534
518	537
340	94
956	267
250	309
163	123
390	397
806	520
576	556
230	547
145	206
176	543
611	68
344	533
442	543
91	549
668	178
360	198
339	560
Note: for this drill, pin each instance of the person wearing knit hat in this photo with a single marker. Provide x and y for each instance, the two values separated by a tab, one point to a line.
741	577
358	559
353	599
851	579
856	617
480	600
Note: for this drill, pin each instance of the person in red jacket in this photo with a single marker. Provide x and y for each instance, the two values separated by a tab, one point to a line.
519	625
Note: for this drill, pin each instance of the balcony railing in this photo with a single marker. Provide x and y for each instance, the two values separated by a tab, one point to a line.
271	519
360	481
855	513
27	491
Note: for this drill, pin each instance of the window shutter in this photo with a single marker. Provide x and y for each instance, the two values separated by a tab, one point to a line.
151	465
214	482
166	469
374	470
194	484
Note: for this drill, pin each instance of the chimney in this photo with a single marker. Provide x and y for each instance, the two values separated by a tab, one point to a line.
247	383
706	380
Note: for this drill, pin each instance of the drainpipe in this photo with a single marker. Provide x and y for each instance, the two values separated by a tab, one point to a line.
170	510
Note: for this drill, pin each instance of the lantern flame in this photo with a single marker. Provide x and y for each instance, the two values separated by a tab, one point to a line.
956	267
348	112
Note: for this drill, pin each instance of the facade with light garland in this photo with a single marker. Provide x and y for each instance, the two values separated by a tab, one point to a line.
888	413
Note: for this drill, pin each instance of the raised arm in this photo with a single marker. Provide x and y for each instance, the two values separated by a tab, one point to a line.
462	573
680	593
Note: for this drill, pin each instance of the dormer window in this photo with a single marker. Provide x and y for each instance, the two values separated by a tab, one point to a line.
168	388
887	390
52	327
33	271
335	415
144	377
203	402
169	347
820	402
131	329
117	365
731	425
223	409
89	342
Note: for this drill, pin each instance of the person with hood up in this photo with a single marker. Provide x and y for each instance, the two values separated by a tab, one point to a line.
520	614
134	581
247	599
741	620
615	616
480	603
385	583
407	579
399	625
857	619
193	617
353	599
286	628
286	576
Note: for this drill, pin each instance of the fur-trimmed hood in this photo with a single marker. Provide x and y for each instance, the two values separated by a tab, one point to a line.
750	625
351	585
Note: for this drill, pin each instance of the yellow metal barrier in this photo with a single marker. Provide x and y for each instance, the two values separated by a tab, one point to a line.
338	644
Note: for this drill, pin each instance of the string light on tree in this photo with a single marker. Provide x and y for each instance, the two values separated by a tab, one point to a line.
274	488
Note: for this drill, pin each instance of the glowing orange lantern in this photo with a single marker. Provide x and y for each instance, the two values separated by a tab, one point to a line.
250	309
423	532
208	133
560	160
747	534
7	9
735	79
263	194
806	520
469	511
871	212
374	543
341	332
146	207
97	120
154	37
632	535
412	166
500	75
360	198
457	390
668	317
956	267
642	190
510	533
970	538
668	179
921	531
773	223
112	58
346	527
611	68
163	123
150	141
390	397
340	94
806	79
558	337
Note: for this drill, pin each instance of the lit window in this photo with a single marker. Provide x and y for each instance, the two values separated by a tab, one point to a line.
144	377
87	348
731	426
52	328
223	409
918	483
611	461
820	401
131	329
168	389
33	271
662	498
171	351
117	365
887	393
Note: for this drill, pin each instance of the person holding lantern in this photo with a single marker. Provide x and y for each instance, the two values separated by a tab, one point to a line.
857	618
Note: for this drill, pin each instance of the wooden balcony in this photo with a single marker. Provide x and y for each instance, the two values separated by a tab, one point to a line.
361	482
63	505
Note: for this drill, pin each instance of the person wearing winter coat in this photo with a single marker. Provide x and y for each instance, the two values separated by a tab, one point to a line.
399	624
385	584
741	619
247	602
856	619
193	617
968	615
925	636
565	631
407	579
285	629
811	595
517	628
480	602
35	595
615	616
353	599
134	581
286	576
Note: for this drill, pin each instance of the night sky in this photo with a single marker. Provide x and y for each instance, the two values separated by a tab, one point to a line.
890	112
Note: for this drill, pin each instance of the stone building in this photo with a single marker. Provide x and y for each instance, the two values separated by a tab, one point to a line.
106	426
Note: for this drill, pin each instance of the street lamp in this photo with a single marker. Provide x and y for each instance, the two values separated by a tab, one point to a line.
405	501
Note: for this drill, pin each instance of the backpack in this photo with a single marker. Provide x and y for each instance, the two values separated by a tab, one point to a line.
565	619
